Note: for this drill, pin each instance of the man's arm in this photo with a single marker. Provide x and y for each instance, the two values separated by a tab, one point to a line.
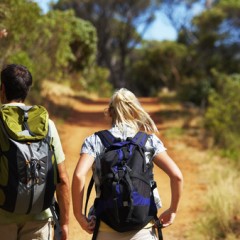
63	198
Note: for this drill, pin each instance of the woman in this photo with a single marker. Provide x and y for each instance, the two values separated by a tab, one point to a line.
127	118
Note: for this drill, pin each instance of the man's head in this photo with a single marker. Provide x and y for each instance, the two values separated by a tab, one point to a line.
16	81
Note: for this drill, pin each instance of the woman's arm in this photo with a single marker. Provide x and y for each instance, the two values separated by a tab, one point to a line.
79	177
163	161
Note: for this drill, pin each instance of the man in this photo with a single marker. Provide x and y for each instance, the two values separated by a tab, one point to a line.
16	81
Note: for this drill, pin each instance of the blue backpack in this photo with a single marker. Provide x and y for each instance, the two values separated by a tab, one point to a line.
126	184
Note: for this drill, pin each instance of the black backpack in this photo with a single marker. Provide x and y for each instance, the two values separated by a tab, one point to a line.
126	181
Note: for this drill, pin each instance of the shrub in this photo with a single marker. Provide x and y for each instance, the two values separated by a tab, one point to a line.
194	90
97	81
223	114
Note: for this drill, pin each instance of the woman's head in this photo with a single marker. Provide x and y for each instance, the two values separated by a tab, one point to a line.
125	109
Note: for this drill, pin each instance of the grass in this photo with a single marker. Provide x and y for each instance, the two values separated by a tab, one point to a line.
221	218
174	132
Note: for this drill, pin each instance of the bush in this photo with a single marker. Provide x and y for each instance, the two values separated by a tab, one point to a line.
96	81
223	114
194	90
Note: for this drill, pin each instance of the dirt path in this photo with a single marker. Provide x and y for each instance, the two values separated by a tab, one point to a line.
87	117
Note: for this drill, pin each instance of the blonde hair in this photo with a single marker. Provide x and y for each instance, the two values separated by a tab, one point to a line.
125	109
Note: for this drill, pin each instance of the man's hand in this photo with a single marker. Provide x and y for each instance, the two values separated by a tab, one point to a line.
3	33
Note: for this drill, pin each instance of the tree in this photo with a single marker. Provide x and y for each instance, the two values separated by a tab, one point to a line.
116	23
180	14
43	42
215	46
156	65
12	12
216	32
69	42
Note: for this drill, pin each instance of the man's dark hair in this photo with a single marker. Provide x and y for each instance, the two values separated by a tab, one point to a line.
17	81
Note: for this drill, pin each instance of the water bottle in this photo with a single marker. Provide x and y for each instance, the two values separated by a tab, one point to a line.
157	198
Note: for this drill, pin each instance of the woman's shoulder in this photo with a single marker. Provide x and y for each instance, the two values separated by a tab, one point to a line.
92	145
155	142
93	138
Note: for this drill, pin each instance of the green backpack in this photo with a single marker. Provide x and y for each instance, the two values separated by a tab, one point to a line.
28	168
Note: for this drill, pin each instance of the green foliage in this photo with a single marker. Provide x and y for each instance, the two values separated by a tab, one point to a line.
44	43
116	23
21	57
195	90
58	31
97	82
174	132
83	44
214	45
223	114
93	81
19	20
156	65
230	4
59	45
218	26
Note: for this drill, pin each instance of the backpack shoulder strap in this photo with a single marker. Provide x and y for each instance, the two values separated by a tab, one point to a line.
140	139
106	137
89	189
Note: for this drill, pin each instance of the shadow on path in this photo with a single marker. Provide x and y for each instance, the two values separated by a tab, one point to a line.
87	112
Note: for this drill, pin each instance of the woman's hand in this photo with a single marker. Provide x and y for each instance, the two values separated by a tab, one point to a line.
163	161
86	224
167	218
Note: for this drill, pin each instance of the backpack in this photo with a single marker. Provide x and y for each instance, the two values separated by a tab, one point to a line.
28	168
126	184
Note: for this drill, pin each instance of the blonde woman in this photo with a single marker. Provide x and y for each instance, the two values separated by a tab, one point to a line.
127	118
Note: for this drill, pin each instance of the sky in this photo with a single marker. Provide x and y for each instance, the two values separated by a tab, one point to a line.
159	30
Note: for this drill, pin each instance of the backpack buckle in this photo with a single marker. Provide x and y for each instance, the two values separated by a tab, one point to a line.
121	173
157	223
25	116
